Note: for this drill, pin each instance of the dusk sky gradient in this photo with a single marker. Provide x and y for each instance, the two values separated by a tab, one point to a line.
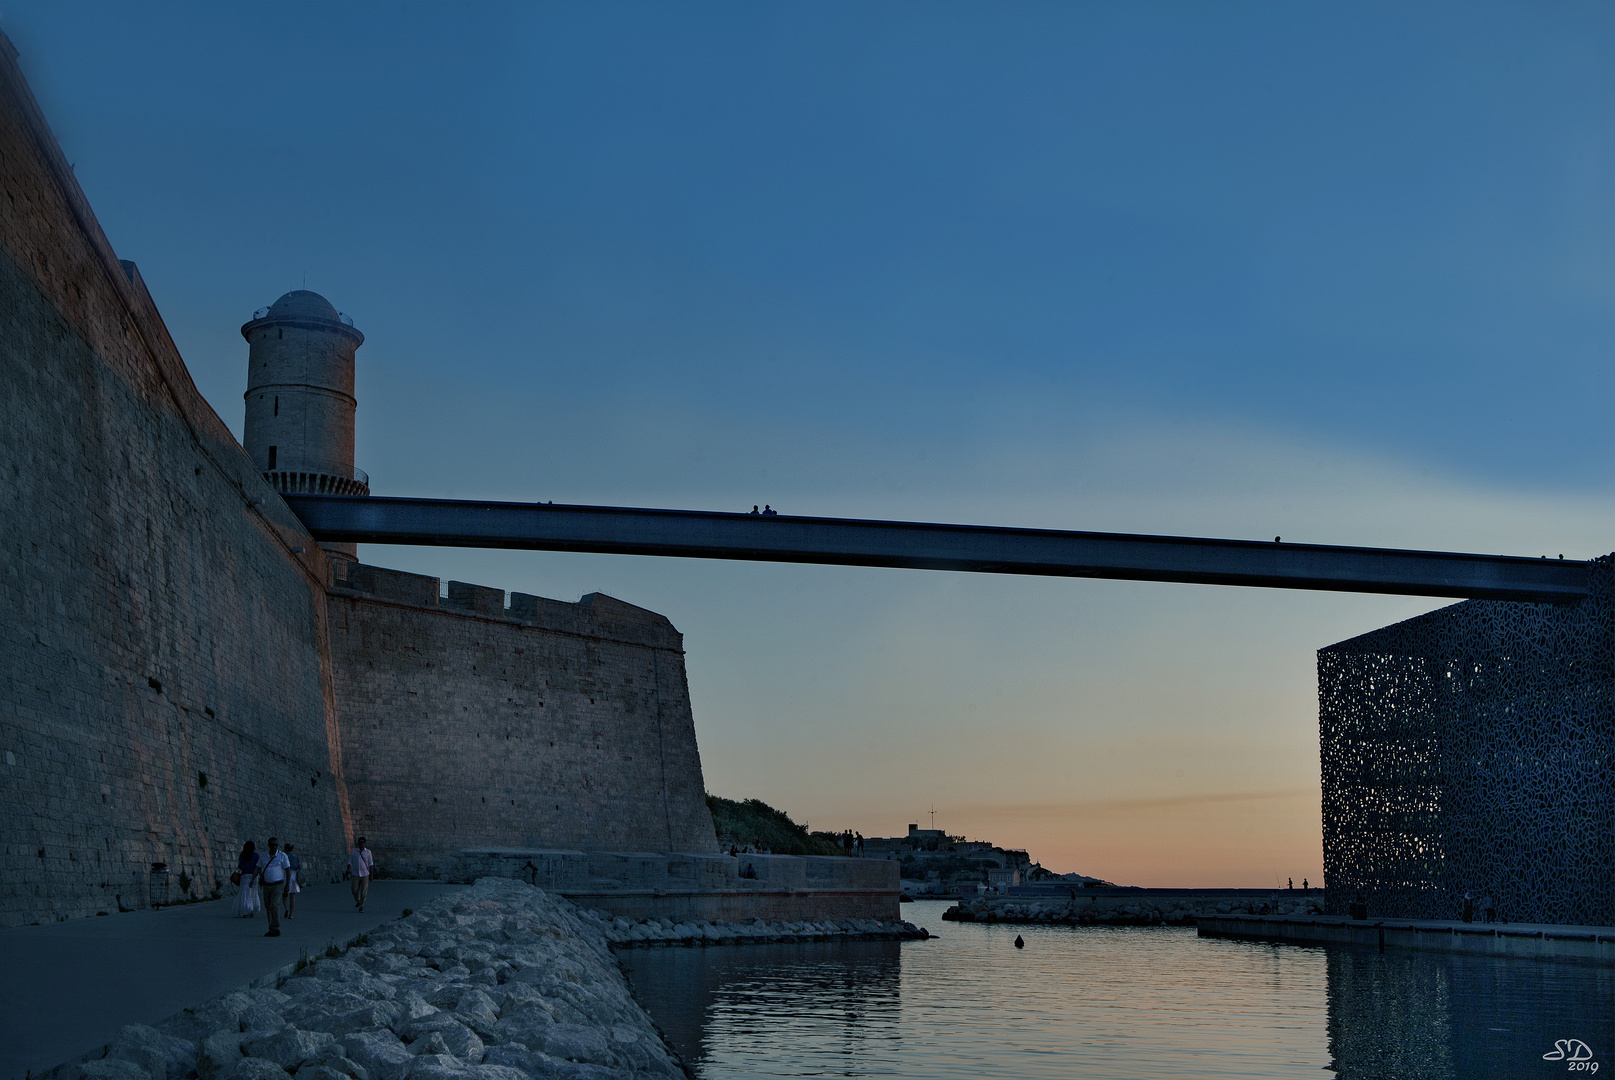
1340	273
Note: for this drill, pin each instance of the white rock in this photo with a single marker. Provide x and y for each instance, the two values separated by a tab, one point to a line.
162	1056
255	1069
107	1069
380	1052
218	1053
289	1047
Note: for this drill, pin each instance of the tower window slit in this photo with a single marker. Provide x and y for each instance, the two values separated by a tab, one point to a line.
277	404
272	458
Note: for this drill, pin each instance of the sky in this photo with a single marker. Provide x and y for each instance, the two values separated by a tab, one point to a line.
1341	273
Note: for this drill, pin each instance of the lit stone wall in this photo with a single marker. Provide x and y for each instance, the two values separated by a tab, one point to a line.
467	723
1471	750
156	621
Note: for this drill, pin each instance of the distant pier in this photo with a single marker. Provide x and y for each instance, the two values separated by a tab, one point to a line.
1529	940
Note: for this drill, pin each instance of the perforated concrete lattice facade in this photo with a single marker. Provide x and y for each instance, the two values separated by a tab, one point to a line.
1472	749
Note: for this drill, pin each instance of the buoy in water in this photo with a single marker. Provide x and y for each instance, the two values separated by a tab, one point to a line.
1019	944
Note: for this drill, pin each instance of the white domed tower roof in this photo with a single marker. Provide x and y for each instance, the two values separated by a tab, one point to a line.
303	308
301	302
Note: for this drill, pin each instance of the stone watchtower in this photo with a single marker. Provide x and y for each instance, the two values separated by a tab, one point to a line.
300	404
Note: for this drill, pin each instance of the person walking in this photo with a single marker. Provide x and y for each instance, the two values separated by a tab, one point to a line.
293	885
246	879
360	863
274	876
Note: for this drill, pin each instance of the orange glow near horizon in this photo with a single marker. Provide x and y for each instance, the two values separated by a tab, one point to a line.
1236	840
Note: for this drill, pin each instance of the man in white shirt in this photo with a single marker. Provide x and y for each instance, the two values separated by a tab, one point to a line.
273	875
359	864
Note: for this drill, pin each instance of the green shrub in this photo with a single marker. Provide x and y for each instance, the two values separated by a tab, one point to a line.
756	823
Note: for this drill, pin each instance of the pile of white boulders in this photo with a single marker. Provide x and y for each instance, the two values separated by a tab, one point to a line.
1162	911
497	982
625	933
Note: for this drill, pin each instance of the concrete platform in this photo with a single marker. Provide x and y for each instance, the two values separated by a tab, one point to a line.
1530	940
71	985
699	885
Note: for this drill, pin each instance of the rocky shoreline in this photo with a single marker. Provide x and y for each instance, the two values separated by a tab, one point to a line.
1117	911
499	982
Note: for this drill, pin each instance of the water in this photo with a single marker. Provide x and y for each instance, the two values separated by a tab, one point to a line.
1115	1002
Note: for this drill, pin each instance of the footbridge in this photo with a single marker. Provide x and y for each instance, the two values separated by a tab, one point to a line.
616	530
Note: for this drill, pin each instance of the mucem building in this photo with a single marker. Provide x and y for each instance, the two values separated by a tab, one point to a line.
1472	750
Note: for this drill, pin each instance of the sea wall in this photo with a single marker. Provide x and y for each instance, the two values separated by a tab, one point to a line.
699	885
162	688
537	724
1143	907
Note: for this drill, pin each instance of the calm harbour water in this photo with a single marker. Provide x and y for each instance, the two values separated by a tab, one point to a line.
1115	1002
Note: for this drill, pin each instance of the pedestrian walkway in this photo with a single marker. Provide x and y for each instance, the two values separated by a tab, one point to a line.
70	986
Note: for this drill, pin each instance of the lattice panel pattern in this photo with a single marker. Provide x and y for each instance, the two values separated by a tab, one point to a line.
1473	750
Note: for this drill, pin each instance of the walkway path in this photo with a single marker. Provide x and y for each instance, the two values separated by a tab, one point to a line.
70	986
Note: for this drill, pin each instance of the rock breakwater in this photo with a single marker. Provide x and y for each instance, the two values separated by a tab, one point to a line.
498	982
501	981
1116	911
625	933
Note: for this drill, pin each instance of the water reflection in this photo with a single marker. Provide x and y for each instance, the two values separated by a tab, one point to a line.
1116	1002
1433	1016
727	1008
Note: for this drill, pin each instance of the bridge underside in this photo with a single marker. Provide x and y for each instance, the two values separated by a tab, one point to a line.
917	545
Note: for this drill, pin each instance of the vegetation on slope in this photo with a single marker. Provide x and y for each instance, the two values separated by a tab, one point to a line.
756	823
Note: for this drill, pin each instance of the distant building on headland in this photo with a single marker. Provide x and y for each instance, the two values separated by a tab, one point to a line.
937	864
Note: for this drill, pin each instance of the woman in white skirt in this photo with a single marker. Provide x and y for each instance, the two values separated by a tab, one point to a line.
293	886
246	902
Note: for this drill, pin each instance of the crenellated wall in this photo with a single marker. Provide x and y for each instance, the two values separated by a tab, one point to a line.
538	725
178	674
161	611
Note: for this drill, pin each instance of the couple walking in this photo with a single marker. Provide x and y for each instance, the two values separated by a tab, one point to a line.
268	881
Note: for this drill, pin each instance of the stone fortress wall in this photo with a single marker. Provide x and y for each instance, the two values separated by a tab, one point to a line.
538	725
164	686
177	653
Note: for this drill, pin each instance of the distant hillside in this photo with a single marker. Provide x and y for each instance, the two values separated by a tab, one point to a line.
756	823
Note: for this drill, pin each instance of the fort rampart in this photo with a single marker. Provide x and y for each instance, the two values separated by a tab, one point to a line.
180	670
540	724
164	689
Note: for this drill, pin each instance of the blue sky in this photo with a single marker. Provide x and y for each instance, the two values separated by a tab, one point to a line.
1344	273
